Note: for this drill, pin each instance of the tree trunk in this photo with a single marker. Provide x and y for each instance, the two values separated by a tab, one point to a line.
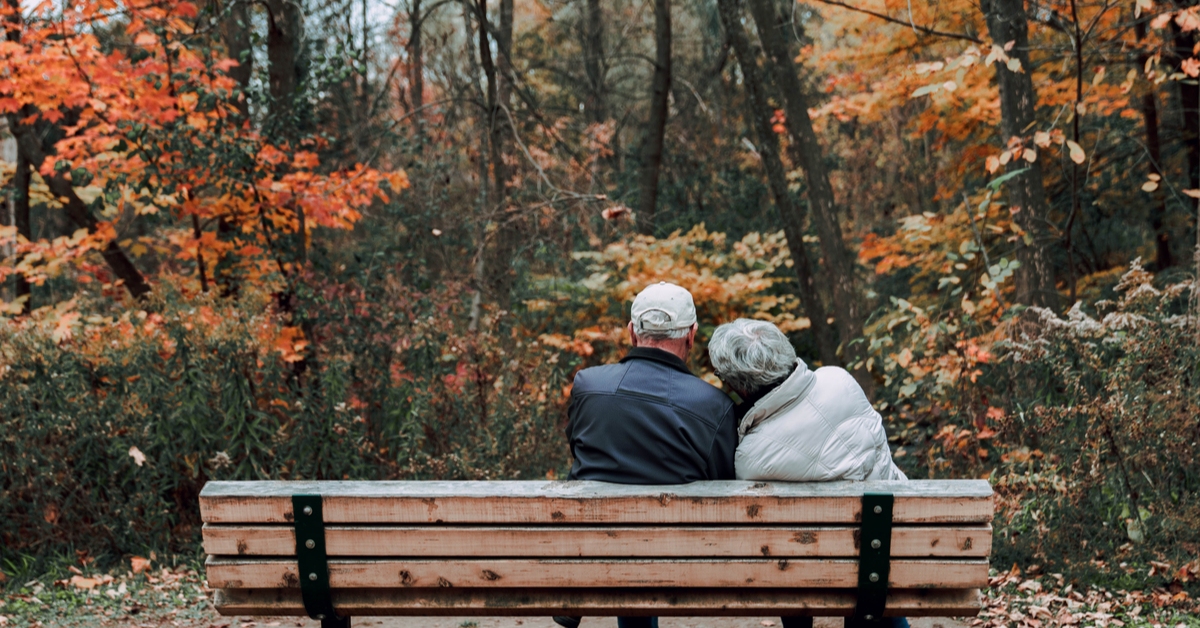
235	30
500	273
30	149
593	61
20	207
1158	208
416	66
656	126
792	217
284	28
1007	22
807	153
1189	107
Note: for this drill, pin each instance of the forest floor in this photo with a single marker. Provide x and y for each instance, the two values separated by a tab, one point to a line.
180	599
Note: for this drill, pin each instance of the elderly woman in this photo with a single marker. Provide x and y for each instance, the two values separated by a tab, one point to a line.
799	425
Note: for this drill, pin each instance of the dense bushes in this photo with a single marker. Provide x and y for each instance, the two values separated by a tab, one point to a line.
1098	453
111	426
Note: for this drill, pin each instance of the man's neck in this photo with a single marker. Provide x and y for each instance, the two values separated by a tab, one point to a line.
672	348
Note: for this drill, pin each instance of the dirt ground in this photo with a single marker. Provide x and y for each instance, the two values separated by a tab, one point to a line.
545	622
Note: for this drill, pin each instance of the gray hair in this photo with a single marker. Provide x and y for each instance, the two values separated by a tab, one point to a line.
748	355
656	317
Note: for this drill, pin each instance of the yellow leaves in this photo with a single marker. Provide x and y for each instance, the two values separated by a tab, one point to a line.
1152	183
1000	53
145	39
137	564
1077	154
1042	139
1030	155
290	343
925	68
1099	76
905	358
993	164
139	458
64	324
14	307
1191	67
1192	193
398	180
1142	5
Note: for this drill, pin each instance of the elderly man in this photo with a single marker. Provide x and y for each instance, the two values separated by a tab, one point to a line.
648	419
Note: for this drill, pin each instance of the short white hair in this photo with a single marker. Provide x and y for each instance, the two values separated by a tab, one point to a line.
749	355
658	317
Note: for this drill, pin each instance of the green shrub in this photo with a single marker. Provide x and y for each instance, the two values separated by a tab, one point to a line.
112	426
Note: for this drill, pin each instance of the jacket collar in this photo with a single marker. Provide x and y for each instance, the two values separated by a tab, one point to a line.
657	355
793	390
750	400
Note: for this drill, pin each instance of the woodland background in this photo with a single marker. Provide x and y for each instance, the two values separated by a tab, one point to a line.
372	240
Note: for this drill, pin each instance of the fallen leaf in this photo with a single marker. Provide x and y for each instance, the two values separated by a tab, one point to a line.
1192	193
767	622
79	582
4	577
139	564
1149	186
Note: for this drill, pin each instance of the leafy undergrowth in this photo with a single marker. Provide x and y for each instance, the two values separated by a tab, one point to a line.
1048	600
151	598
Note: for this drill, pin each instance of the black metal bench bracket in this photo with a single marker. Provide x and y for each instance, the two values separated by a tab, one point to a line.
874	559
309	522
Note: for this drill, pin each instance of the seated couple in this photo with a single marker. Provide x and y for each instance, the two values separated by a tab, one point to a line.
649	420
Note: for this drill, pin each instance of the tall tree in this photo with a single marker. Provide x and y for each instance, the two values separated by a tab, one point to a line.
806	152
593	61
20	210
1008	25
759	112
1158	206
285	28
506	239
235	32
416	62
656	125
1183	45
31	152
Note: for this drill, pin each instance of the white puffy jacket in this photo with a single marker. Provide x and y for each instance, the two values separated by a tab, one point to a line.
817	426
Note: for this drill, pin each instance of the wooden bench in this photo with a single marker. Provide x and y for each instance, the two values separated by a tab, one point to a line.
332	550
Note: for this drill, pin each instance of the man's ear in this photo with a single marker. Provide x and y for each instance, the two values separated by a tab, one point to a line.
632	336
691	337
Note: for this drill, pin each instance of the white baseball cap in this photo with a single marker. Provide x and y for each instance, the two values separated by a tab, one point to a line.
663	307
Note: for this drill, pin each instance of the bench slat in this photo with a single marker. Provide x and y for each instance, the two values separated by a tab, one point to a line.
959	541
599	602
542	502
560	573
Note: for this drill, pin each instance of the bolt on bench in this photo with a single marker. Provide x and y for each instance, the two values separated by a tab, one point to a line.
333	550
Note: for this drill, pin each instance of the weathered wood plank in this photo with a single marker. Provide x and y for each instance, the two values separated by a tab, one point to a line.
599	602
539	502
251	573
959	541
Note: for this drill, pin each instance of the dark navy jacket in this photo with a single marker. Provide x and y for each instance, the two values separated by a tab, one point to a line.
648	420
